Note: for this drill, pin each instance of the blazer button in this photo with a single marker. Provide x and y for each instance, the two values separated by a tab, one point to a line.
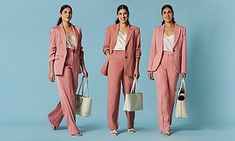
126	56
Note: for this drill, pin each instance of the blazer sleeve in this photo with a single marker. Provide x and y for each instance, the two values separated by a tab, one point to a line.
80	44
107	40
138	50
184	53
152	51
52	49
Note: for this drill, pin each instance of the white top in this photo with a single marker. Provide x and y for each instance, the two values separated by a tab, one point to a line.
70	41
168	43
121	41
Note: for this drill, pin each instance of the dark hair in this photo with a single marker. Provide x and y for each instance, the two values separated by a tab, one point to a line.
118	9
170	7
61	9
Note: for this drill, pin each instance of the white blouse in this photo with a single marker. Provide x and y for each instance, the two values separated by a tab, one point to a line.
70	41
168	43
121	41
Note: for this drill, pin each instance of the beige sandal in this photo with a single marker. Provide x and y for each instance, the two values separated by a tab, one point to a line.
131	130
77	134
166	133
53	127
114	132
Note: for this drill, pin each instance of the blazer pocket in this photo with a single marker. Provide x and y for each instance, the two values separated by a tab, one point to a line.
104	68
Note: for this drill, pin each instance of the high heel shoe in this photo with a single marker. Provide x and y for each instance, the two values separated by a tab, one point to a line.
114	132
131	130
53	127
166	133
77	134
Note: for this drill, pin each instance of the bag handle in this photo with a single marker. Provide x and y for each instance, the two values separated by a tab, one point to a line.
83	88
135	86
183	86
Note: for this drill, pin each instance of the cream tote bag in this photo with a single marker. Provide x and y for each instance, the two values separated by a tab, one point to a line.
83	102
182	101
134	99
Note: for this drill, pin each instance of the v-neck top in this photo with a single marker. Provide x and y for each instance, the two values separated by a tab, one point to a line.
168	42
70	41
121	41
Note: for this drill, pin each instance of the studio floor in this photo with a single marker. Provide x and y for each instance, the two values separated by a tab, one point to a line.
97	131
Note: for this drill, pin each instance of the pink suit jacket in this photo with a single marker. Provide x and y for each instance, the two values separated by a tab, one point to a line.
132	51
58	49
179	49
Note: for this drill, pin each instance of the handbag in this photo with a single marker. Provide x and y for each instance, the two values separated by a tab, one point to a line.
83	102
181	101
134	99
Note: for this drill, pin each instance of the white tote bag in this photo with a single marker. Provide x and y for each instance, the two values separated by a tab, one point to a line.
182	101
134	100
83	102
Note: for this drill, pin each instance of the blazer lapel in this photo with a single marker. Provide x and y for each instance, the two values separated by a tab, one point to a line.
75	31
177	34
161	37
62	35
129	34
116	30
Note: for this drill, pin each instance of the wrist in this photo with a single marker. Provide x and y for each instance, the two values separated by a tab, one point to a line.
51	70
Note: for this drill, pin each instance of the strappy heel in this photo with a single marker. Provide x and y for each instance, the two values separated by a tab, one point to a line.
114	132
53	127
131	130
77	134
166	133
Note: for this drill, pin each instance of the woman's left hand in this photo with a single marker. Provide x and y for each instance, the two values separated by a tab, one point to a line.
85	73
136	73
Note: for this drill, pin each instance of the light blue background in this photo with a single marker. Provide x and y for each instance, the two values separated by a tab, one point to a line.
27	96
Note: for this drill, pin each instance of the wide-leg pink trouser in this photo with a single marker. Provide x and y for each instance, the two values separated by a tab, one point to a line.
166	80
115	77
67	84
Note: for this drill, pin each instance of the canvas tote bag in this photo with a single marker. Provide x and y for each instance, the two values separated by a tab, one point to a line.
181	101
134	99
83	102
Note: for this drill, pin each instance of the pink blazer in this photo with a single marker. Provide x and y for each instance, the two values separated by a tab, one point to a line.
58	50
179	49
132	46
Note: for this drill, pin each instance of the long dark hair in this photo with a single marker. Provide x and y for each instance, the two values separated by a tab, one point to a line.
61	9
170	7
122	6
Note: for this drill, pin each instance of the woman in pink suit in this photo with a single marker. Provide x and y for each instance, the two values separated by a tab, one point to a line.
65	63
122	47
166	61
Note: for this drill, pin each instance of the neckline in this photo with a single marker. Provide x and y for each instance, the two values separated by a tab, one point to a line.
169	35
122	33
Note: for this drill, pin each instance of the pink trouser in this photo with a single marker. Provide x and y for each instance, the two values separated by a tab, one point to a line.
67	84
166	80
115	77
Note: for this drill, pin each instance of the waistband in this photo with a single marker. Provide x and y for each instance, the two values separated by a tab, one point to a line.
168	53
118	51
70	50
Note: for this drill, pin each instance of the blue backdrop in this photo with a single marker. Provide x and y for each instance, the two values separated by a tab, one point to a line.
27	95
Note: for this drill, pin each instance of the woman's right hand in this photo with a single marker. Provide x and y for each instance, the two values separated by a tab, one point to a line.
51	76
51	71
150	74
107	53
85	73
